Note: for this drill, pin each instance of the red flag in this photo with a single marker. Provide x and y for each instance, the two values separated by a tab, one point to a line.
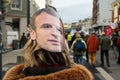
108	30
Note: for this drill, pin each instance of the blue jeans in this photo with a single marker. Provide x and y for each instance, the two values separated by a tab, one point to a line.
78	59
81	60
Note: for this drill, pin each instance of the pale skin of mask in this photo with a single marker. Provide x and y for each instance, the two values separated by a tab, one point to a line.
48	37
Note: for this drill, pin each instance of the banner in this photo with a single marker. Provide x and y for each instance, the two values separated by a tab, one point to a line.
108	30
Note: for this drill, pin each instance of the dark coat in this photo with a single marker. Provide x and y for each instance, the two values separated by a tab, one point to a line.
105	43
76	72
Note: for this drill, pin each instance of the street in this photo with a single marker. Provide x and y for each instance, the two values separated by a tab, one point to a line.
12	58
104	72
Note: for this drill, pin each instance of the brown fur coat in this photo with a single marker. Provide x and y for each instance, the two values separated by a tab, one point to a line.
76	72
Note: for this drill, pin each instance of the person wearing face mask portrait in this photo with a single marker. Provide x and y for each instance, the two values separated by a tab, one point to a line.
46	54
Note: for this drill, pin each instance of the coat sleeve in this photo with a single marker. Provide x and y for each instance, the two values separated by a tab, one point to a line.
87	42
73	44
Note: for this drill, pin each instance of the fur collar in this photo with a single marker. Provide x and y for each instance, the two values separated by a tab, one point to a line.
76	72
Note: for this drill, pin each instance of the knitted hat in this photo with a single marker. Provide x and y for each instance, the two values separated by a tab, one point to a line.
103	33
78	35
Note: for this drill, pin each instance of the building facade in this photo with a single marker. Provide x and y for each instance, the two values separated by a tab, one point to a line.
102	14
116	11
85	25
14	21
116	14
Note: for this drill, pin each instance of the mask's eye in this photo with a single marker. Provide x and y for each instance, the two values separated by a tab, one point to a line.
46	26
60	30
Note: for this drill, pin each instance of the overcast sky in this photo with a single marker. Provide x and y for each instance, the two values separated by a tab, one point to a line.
73	10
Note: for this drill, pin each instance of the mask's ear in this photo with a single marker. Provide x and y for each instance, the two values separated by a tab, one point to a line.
32	34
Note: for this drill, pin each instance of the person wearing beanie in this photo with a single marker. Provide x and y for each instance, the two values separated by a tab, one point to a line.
46	54
118	46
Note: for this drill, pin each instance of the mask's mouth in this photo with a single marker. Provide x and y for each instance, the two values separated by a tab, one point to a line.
54	42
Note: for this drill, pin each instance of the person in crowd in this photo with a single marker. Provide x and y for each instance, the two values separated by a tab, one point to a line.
93	47
73	37
46	54
79	50
114	45
2	45
82	35
69	38
118	46
87	54
23	40
105	46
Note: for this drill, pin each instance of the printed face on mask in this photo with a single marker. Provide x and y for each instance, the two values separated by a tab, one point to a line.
48	32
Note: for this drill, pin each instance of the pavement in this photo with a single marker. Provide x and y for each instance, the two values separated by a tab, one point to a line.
12	57
105	72
6	50
109	73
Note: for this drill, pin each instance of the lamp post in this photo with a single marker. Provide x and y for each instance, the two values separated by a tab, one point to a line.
0	40
28	13
3	5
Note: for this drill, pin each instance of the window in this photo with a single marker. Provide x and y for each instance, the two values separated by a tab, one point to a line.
16	5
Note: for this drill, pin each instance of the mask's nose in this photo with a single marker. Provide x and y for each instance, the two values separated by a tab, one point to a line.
55	32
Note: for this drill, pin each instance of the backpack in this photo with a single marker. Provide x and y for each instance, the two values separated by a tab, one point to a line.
80	46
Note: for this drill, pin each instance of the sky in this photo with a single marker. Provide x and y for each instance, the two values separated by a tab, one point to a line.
73	10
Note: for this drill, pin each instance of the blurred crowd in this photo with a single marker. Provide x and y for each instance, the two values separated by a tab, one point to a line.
93	43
